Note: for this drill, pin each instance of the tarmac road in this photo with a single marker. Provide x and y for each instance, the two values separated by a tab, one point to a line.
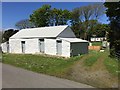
14	77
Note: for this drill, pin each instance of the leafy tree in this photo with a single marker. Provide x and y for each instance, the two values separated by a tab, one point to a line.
75	16
56	16
95	28
99	30
45	16
113	12
41	16
24	24
98	10
75	23
64	17
82	17
8	33
77	30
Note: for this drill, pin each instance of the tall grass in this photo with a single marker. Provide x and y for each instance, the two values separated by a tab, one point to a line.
112	65
91	58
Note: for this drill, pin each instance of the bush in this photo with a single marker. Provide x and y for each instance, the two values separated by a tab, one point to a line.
115	49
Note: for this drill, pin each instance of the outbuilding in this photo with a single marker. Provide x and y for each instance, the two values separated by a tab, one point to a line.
54	40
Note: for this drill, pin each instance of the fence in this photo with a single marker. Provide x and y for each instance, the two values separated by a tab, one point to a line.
97	48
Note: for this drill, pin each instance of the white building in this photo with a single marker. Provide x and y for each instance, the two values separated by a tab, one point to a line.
97	39
5	47
55	40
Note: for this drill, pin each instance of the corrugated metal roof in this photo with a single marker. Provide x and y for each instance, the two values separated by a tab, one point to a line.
52	31
73	39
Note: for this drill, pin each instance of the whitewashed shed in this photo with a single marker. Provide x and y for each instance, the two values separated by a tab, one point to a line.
54	40
5	47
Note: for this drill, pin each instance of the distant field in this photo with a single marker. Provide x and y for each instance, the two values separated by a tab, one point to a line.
95	68
96	43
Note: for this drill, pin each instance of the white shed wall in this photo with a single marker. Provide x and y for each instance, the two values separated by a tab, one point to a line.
15	46
4	47
65	48
50	46
31	45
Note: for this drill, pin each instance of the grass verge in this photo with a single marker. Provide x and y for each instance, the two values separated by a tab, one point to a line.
112	65
39	63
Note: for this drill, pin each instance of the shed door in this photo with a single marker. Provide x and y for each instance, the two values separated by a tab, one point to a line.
41	45
59	47
23	46
7	47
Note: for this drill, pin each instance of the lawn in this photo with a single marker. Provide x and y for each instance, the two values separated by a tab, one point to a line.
40	63
96	43
95	68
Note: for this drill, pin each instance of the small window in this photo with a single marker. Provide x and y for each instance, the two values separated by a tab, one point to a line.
41	39
23	42
7	42
59	41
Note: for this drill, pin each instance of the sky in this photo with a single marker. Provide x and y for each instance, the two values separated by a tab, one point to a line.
13	12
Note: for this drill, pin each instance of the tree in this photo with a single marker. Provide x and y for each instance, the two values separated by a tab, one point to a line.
99	30
95	28
82	17
75	16
98	10
113	12
45	16
24	24
56	17
41	16
8	33
65	16
75	22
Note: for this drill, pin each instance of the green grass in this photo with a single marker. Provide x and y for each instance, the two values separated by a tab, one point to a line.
112	65
64	67
90	61
97	43
39	63
91	58
56	65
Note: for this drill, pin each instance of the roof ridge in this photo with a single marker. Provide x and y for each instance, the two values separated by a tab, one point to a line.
53	31
45	27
